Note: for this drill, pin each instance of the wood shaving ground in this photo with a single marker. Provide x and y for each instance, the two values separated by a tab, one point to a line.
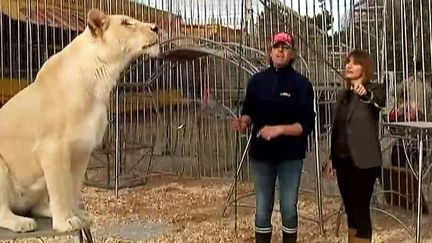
193	208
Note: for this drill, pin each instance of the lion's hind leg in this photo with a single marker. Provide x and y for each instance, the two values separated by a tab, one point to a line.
8	219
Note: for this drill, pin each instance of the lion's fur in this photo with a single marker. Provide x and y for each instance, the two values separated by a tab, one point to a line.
48	129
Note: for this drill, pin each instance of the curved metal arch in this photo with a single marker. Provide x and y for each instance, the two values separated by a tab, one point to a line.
219	44
165	55
245	47
304	63
225	45
207	52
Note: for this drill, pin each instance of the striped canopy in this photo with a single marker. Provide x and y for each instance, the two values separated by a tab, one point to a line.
73	13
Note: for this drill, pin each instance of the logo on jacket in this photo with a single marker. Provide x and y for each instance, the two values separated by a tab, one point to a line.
285	94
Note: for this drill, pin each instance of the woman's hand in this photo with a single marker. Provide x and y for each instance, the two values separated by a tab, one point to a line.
270	132
359	89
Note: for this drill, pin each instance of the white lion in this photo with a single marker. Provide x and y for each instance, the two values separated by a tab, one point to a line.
49	129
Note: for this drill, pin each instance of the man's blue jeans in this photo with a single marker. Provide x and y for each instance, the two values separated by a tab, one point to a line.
288	175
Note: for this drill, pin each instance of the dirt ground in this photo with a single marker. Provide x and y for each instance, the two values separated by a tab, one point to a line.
192	211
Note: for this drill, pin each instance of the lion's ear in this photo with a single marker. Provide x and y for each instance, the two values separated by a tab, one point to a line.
97	21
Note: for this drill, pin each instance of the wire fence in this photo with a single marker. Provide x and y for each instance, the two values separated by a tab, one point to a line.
175	113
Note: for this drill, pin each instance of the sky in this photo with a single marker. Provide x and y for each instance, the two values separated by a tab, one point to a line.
229	11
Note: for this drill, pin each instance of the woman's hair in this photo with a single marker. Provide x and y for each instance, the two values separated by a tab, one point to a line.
365	60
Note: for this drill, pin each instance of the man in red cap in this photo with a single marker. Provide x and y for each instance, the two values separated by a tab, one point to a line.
283	37
279	104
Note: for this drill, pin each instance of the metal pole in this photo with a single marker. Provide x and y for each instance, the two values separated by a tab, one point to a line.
237	173
318	168
419	191
117	141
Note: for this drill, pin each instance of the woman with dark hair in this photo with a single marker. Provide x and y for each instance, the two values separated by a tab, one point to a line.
279	104
355	146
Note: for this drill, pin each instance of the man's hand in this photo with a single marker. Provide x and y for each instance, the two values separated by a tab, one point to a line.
241	123
270	132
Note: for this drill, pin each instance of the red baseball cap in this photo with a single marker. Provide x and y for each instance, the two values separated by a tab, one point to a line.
283	37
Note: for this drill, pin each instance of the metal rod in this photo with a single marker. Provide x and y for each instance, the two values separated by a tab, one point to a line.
117	141
419	189
318	182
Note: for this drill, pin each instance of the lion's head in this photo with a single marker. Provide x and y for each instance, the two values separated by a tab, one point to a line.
124	36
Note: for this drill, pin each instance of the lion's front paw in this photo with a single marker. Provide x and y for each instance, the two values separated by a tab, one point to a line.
84	216
67	225
23	224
